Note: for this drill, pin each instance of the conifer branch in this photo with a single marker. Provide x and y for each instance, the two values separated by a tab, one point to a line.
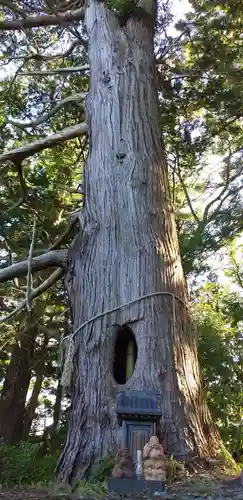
43	20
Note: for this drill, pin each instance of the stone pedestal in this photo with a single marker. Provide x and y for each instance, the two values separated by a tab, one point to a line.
127	486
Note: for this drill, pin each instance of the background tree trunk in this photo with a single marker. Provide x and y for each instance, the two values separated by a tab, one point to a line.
128	248
32	405
57	409
16	385
30	409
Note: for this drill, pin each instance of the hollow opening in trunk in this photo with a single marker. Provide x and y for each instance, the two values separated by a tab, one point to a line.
125	354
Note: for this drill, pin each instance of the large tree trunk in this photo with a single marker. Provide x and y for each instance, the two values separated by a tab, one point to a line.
127	249
16	385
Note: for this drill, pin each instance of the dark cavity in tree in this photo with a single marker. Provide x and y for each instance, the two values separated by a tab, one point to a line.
125	354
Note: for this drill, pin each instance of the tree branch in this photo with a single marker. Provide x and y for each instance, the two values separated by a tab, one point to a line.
29	273
72	29
221	193
47	142
67	230
53	278
236	270
42	119
227	195
46	20
188	199
56	71
45	57
161	58
56	258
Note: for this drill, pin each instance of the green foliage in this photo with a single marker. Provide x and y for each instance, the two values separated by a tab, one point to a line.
102	470
87	489
83	489
175	470
218	318
201	105
227	458
24	464
121	7
59	490
235	269
44	187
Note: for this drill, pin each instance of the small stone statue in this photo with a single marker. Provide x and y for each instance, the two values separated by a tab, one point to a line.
123	467
154	460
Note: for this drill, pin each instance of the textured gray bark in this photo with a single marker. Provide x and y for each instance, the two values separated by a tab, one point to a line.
50	259
16	385
128	249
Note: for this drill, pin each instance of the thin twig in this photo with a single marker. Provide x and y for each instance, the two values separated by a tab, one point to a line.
67	230
29	273
188	199
48	57
4	345
35	292
43	118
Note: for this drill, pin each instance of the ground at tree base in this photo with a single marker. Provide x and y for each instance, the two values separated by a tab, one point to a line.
200	487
